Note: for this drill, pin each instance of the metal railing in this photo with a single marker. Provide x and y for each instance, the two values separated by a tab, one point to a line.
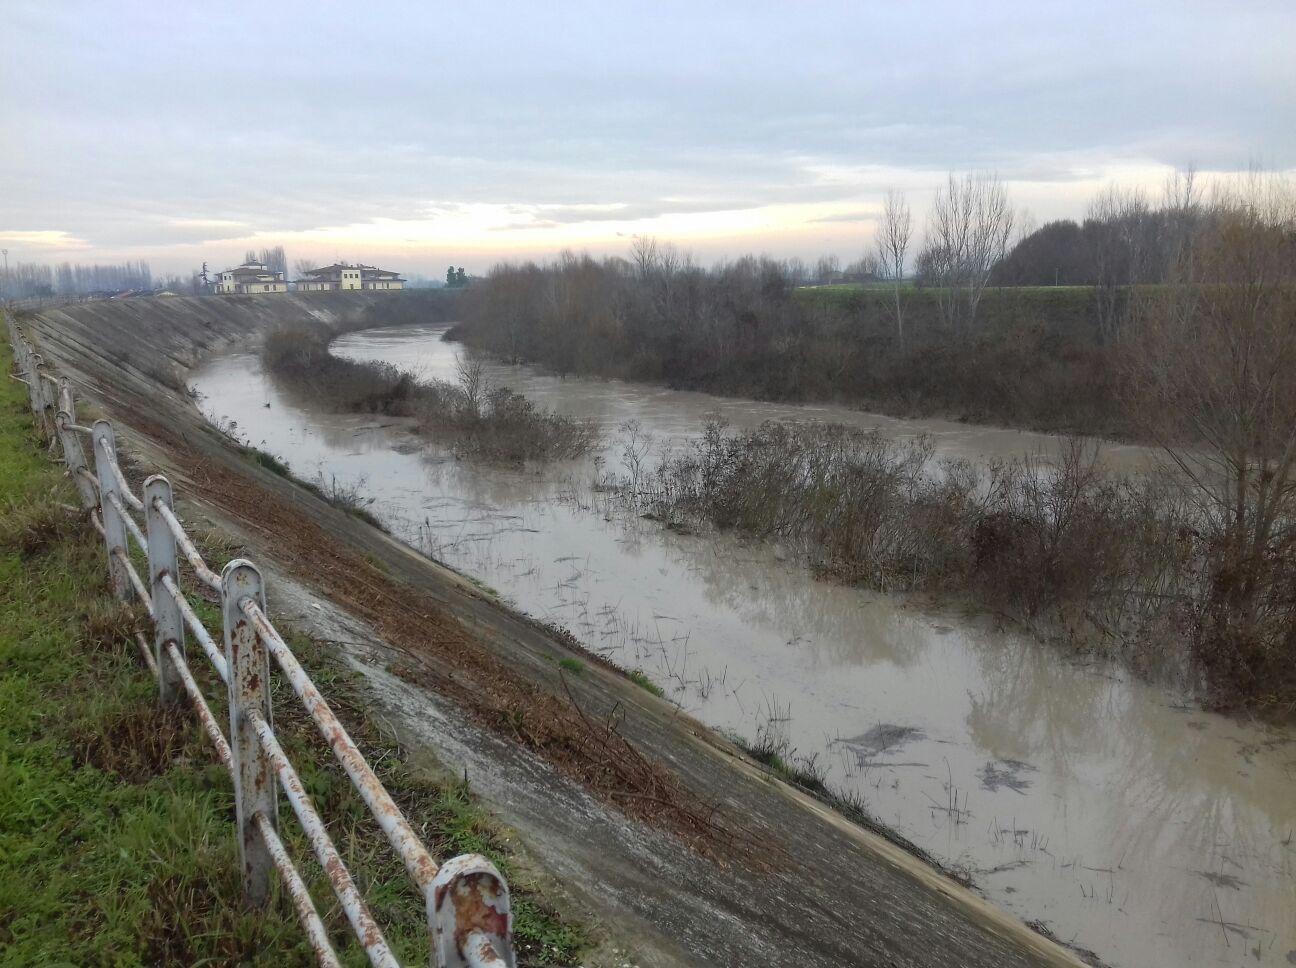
469	915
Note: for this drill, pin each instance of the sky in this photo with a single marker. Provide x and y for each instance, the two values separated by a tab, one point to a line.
414	135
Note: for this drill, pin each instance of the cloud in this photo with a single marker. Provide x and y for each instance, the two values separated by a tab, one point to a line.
864	216
153	137
42	239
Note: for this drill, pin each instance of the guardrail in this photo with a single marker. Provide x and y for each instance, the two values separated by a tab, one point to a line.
469	916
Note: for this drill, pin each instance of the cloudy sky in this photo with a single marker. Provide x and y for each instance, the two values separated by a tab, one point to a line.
417	134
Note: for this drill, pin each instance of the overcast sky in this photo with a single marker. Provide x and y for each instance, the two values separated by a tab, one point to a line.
413	135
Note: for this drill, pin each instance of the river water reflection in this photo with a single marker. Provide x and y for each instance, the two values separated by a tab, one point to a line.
1122	818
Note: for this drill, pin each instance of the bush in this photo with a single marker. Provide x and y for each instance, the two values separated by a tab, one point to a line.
477	420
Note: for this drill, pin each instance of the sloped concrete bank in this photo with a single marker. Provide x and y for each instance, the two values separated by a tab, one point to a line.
793	885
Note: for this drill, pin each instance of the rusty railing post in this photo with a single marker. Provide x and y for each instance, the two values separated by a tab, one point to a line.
472	917
168	623
248	662
105	451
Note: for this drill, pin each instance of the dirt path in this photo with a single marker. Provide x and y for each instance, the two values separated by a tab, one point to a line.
658	830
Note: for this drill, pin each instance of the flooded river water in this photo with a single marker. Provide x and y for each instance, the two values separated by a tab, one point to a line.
1116	814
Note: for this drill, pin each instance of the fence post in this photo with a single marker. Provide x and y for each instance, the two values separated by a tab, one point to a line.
27	364
44	396
105	451
248	662
472	917
168	623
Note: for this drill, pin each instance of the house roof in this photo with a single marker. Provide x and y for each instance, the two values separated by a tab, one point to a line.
340	266
249	270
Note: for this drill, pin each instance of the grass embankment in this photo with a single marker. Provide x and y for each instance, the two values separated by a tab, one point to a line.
117	843
476	419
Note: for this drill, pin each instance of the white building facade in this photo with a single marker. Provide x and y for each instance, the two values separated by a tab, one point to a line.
249	278
341	277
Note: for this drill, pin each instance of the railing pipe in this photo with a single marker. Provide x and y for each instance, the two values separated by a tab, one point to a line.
191	553
300	894
200	706
196	626
136	582
399	833
131	525
357	912
109	442
147	653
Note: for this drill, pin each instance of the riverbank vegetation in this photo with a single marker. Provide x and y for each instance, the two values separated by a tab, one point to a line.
477	419
1196	566
117	843
747	329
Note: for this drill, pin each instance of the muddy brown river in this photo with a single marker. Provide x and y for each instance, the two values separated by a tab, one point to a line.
1116	814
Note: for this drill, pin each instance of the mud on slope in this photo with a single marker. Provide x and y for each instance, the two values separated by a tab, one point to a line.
657	828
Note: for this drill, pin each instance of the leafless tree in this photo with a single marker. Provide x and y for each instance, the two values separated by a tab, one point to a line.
1213	355
827	269
968	230
274	259
1182	203
1119	223
471	377
303	266
892	245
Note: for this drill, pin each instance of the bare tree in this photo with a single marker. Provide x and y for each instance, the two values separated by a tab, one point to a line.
471	376
275	259
827	269
1182	202
892	245
303	266
1118	221
968	230
1213	355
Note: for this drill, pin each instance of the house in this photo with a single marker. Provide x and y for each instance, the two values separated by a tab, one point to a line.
248	278
340	276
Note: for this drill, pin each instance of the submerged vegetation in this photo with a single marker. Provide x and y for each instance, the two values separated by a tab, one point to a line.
478	420
1024	538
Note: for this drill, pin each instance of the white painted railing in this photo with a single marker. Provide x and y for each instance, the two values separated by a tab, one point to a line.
470	921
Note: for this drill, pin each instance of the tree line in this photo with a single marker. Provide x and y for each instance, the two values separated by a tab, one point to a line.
28	280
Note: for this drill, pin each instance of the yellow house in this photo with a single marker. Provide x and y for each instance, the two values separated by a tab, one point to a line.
250	277
341	276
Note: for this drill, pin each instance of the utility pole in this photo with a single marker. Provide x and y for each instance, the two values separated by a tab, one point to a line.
6	285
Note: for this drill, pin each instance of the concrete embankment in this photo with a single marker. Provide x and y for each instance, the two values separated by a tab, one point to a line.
778	879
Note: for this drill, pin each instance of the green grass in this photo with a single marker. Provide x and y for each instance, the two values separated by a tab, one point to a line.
638	677
117	844
574	666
